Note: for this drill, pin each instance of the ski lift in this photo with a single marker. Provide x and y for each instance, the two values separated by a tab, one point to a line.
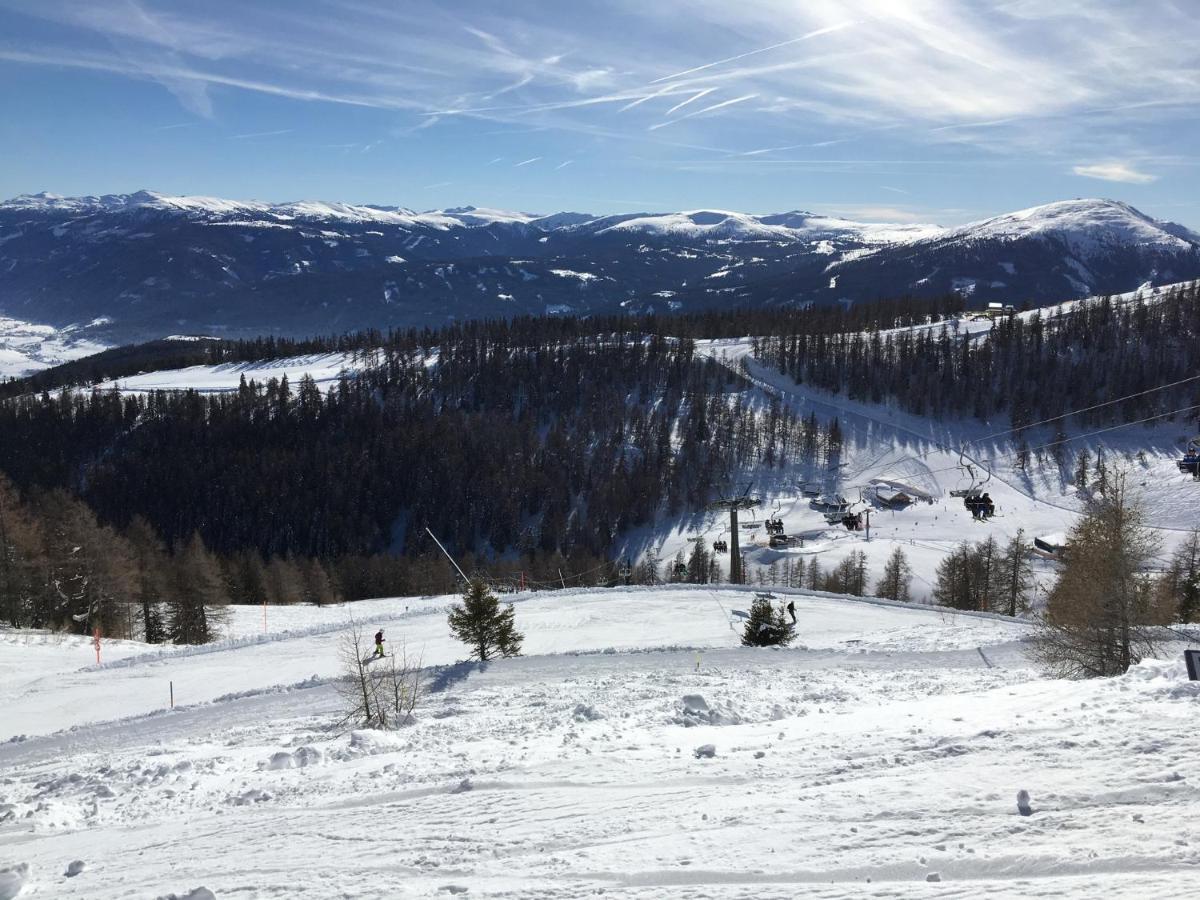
1190	464
719	545
974	486
680	570
774	524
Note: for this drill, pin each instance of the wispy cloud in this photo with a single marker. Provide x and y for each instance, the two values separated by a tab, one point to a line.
704	92
528	162
749	53
948	74
260	134
705	110
1114	171
563	165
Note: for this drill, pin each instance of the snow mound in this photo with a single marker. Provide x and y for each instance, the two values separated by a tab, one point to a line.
366	742
200	893
694	710
12	880
1166	678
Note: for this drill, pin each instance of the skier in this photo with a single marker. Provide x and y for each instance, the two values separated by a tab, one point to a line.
972	503
378	644
791	609
989	508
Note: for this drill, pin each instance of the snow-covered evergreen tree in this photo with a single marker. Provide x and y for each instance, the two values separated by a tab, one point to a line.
483	624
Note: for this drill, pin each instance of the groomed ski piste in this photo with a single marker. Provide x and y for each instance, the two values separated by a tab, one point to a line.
634	750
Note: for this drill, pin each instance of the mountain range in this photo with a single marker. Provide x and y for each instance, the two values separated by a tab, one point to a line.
148	264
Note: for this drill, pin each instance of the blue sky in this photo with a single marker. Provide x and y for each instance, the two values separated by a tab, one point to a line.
929	110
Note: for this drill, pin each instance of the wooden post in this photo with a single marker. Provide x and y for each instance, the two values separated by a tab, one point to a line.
562	580
96	644
172	694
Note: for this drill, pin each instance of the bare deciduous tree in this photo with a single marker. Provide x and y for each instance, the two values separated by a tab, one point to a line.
377	693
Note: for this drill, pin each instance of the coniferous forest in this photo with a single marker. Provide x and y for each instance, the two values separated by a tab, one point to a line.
539	452
526	446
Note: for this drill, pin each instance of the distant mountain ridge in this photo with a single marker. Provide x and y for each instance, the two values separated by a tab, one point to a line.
155	264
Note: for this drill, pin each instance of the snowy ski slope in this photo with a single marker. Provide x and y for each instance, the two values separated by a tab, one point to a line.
880	756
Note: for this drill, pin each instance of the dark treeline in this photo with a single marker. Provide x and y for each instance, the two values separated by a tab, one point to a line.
527	331
520	456
1031	369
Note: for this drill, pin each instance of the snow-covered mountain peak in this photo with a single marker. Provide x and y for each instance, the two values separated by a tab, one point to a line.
1087	225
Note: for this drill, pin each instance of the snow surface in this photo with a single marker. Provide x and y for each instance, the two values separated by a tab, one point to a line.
635	750
279	213
324	368
716	224
1089	227
26	348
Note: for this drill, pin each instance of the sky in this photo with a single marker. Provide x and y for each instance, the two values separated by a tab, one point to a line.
939	111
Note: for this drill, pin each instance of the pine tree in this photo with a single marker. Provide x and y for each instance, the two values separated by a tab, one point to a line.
318	587
697	564
481	623
151	578
678	570
814	578
197	606
20	560
1100	476
1081	469
953	586
1014	576
984	558
1059	450
897	577
767	625
1179	587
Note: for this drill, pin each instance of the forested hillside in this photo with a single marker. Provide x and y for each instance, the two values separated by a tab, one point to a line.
1029	368
534	445
543	450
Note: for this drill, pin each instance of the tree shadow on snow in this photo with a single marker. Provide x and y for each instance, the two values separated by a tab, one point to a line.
445	677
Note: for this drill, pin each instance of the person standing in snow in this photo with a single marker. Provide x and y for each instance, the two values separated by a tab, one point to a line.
791	610
378	644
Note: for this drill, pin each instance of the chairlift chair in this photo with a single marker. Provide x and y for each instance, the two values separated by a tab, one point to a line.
1190	463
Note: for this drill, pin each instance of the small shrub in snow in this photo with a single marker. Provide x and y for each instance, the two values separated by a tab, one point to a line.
585	712
74	868
1023	806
